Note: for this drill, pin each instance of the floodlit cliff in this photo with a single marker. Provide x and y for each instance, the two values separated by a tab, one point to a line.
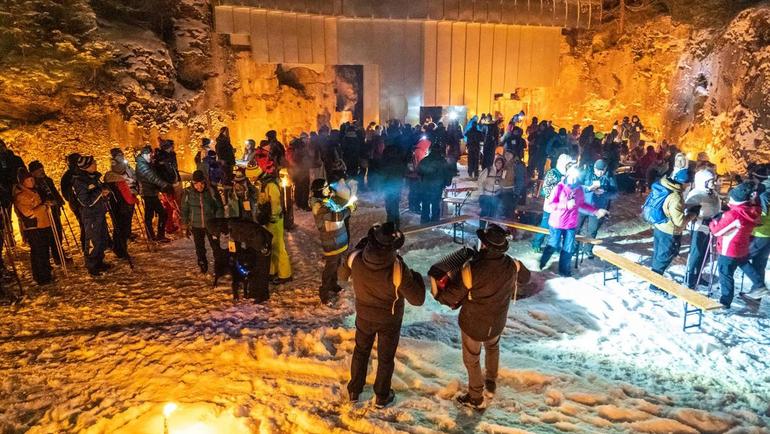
90	75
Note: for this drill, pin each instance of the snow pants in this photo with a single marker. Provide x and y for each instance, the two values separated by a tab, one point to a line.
698	247
96	241
122	217
665	247
387	335
200	235
40	246
759	250
153	207
472	362
727	266
564	238
329	285
279	258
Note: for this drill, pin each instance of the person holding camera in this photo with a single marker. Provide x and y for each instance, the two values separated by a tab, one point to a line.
483	289
36	224
381	282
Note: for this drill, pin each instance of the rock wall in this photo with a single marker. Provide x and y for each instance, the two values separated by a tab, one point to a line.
104	73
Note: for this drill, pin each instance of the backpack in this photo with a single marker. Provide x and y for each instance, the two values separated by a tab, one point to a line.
652	210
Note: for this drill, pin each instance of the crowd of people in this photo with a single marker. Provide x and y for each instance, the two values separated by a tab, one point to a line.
577	174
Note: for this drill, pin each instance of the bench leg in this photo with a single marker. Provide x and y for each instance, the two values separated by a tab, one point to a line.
458	232
614	273
692	312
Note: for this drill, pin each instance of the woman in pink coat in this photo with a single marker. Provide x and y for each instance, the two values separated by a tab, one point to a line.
565	203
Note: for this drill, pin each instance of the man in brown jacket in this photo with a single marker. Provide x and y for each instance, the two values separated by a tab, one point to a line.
486	286
37	226
381	282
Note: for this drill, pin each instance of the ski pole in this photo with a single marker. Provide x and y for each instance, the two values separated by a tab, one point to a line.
72	231
703	262
145	230
57	241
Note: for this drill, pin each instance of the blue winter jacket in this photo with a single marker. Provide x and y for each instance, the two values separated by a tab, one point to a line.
606	182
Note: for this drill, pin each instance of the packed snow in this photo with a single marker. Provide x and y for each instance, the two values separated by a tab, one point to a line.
106	355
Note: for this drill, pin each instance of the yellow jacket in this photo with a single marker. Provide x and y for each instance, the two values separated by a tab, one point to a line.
32	208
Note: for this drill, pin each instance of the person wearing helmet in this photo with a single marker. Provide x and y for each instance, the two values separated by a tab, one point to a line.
330	220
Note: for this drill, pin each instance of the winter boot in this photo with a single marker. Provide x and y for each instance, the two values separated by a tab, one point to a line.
204	266
381	402
468	401
755	295
490	386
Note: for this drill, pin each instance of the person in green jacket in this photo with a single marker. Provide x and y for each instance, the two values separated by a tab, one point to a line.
759	249
198	207
242	197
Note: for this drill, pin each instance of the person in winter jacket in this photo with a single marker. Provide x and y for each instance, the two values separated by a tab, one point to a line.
225	150
381	282
704	200
434	176
242	197
46	188
600	189
93	197
733	231
249	151
167	167
490	188
514	143
759	249
667	236
552	178
557	145
151	185
566	201
276	150
330	220
35	222
508	196
271	215
473	139
300	163
10	165
69	195
485	287
198	207
122	182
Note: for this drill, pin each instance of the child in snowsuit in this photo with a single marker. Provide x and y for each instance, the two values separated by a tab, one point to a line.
330	221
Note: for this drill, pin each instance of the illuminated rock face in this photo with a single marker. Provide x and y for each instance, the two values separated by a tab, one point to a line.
89	85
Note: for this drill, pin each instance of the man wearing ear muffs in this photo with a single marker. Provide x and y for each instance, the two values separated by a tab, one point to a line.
484	288
381	282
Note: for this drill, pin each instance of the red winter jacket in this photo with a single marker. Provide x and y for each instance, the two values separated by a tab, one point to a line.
733	230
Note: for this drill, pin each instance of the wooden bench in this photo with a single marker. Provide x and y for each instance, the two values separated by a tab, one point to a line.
458	196
538	230
688	296
454	221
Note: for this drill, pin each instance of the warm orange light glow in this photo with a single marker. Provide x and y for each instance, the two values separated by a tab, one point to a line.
169	408
198	428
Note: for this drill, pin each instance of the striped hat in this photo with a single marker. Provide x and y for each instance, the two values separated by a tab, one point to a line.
85	161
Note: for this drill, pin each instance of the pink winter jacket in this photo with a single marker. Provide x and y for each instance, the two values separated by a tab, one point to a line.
561	217
733	230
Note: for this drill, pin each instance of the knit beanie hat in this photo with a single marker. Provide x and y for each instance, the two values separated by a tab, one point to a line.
682	176
600	165
35	165
116	152
198	176
741	193
85	161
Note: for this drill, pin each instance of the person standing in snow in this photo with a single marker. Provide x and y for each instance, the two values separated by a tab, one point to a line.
198	207
48	193
381	282
225	150
566	202
490	187
484	287
600	189
667	234
704	200
759	249
271	216
93	197
69	195
151	185
473	139
330	221
552	178
122	182
33	213
733	231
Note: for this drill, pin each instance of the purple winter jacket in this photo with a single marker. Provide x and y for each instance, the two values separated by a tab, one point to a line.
561	217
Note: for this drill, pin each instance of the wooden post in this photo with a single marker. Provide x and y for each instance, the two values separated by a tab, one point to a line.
622	15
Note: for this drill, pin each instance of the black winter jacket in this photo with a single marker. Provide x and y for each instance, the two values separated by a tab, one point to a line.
484	311
151	184
87	189
434	172
377	300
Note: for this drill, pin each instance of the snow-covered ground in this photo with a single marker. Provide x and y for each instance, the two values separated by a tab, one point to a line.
106	355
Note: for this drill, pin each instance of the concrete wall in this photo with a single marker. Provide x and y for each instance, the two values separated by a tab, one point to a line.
413	63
